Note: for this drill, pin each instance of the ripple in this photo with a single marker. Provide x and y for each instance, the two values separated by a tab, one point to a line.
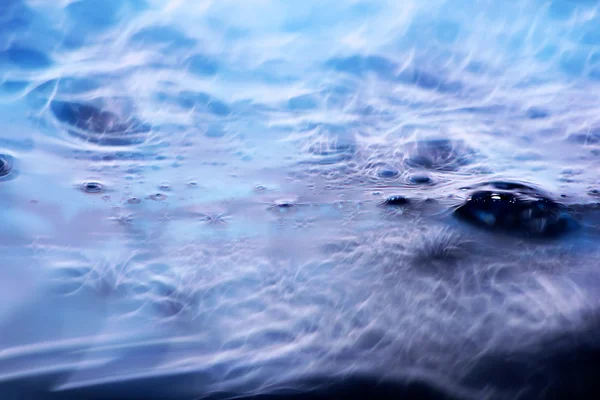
388	70
439	155
331	144
97	126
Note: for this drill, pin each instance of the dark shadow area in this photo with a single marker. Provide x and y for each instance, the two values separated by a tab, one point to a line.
182	388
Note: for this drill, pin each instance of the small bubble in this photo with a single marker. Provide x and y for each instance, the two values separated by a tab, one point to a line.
106	198
388	173
157	197
284	204
134	200
259	188
92	187
34	202
420	179
192	184
165	186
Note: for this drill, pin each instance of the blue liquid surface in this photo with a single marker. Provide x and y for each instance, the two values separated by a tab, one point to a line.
344	199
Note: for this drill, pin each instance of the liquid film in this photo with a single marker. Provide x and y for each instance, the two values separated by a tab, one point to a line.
317	199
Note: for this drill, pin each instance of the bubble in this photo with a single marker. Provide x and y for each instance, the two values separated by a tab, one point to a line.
92	187
134	200
158	197
523	212
395	201
388	173
284	204
420	179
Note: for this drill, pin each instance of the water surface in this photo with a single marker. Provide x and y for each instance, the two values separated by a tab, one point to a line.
344	199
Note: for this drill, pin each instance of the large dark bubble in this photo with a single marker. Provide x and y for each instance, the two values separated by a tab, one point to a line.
516	208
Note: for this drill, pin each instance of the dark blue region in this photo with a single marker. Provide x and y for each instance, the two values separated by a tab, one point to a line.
387	69
25	58
99	126
516	208
15	16
202	65
562	366
570	373
179	388
586	137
